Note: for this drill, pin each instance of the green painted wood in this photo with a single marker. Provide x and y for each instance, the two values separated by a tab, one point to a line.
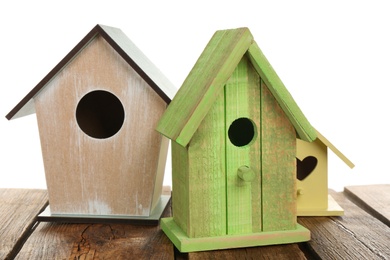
246	173
210	73
180	185
304	129
278	165
202	85
255	155
185	244
242	103
207	192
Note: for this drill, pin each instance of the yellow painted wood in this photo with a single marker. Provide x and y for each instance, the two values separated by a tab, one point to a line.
243	198
313	190
312	196
278	165
335	150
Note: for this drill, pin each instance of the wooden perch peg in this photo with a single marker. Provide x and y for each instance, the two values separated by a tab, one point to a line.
245	173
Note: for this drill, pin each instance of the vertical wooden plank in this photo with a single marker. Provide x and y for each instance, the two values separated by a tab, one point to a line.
255	154
207	199
180	188
278	165
242	103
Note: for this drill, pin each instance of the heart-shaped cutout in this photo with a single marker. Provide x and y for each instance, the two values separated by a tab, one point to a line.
306	167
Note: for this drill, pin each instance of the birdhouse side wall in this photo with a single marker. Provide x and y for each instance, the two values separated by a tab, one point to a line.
313	190
180	187
100	176
207	174
278	166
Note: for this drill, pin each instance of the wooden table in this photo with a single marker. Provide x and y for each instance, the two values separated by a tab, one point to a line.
362	233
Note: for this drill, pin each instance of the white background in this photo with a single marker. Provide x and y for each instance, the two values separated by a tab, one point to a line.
333	57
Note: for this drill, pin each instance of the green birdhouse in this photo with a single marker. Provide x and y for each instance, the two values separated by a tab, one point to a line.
233	127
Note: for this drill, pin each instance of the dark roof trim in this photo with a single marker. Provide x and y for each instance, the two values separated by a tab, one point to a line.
26	103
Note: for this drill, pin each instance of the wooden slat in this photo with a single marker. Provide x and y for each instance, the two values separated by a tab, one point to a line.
97	241
267	252
201	87
243	198
206	179
356	235
18	211
375	199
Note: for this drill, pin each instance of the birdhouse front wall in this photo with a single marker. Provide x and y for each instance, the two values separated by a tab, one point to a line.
312	185
96	121
237	174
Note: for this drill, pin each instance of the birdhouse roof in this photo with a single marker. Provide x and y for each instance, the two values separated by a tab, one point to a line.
208	77
125	48
327	143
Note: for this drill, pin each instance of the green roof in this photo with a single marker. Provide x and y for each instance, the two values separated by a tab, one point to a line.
208	77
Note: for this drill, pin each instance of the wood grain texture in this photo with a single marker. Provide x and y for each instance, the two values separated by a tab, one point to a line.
203	84
125	48
18	211
372	198
207	174
111	176
180	186
304	129
356	235
267	252
278	165
242	101
97	241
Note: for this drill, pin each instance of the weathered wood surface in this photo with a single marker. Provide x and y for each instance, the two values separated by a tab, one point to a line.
18	210
356	235
292	251
98	241
375	199
100	176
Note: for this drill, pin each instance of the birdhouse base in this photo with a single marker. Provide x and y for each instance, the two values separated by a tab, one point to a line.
334	209
152	219
185	244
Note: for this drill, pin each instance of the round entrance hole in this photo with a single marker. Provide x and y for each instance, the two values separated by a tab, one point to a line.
242	131
100	114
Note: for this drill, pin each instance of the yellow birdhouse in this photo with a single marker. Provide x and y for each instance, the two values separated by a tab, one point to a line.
312	178
96	112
